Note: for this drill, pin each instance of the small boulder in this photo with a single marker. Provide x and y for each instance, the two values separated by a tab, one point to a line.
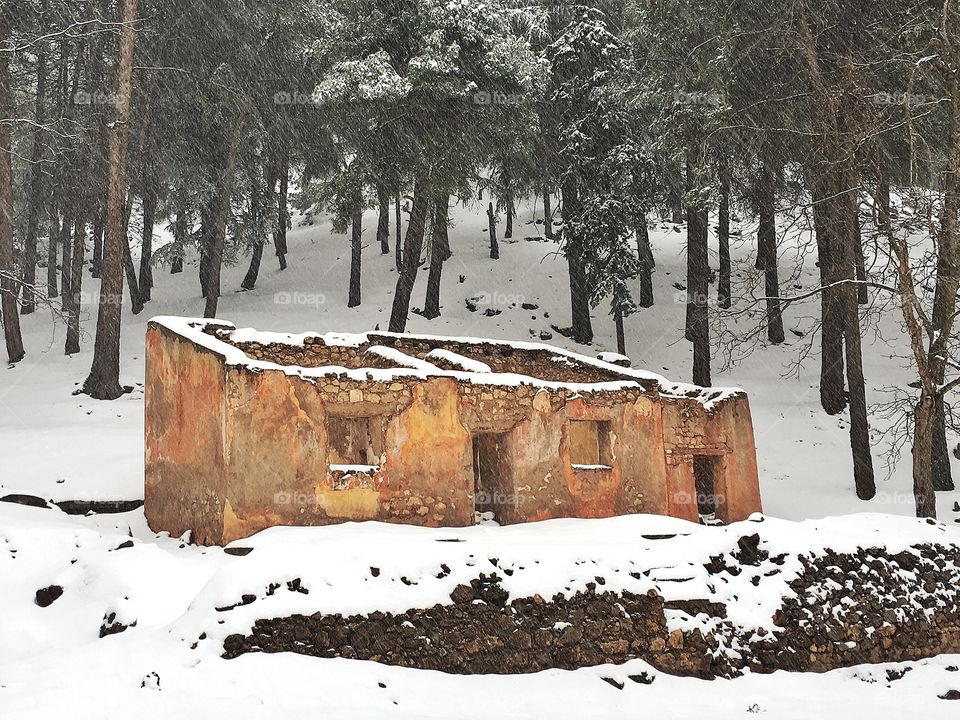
46	596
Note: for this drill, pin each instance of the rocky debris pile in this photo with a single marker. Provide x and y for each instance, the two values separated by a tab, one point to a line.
842	609
868	607
481	632
313	354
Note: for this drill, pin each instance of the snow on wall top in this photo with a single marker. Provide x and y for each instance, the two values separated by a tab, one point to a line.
467	369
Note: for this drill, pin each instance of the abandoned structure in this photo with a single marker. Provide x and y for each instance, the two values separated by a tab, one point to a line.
247	430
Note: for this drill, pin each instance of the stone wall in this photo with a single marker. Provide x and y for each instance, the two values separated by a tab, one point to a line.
847	609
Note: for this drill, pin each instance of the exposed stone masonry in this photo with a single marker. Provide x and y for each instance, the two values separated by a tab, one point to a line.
501	358
869	606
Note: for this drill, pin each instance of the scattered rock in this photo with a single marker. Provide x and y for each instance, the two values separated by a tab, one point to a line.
111	626
46	596
245	599
28	500
238	551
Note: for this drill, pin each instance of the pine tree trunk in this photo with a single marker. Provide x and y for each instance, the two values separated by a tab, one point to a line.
383	220
492	231
581	325
8	281
145	284
53	233
133	284
831	355
847	204
66	248
767	240
439	254
96	262
206	244
547	214
948	278
645	255
412	246
72	344
35	201
103	382
256	212
621	340
940	453
283	216
883	194
180	238
923	493
699	286
862	296
723	237
698	282
222	216
398	243
508	230
253	270
129	269
356	247
675	194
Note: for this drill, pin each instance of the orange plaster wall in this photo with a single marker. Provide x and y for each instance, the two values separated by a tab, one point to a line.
184	416
230	452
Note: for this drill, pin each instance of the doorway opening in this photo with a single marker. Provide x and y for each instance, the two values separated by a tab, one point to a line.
490	469
705	481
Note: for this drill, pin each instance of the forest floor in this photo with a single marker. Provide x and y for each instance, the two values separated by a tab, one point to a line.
61	446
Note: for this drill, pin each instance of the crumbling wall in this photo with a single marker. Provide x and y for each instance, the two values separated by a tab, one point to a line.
724	433
843	609
233	450
184	418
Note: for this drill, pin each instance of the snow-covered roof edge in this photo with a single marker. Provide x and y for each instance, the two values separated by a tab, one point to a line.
193	330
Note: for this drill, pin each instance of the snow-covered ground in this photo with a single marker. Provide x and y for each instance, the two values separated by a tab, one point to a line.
61	446
53	664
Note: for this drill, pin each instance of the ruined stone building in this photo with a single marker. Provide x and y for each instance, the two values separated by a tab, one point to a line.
247	430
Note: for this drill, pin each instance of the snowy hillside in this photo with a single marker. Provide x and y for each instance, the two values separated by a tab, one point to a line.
65	447
180	602
115	572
